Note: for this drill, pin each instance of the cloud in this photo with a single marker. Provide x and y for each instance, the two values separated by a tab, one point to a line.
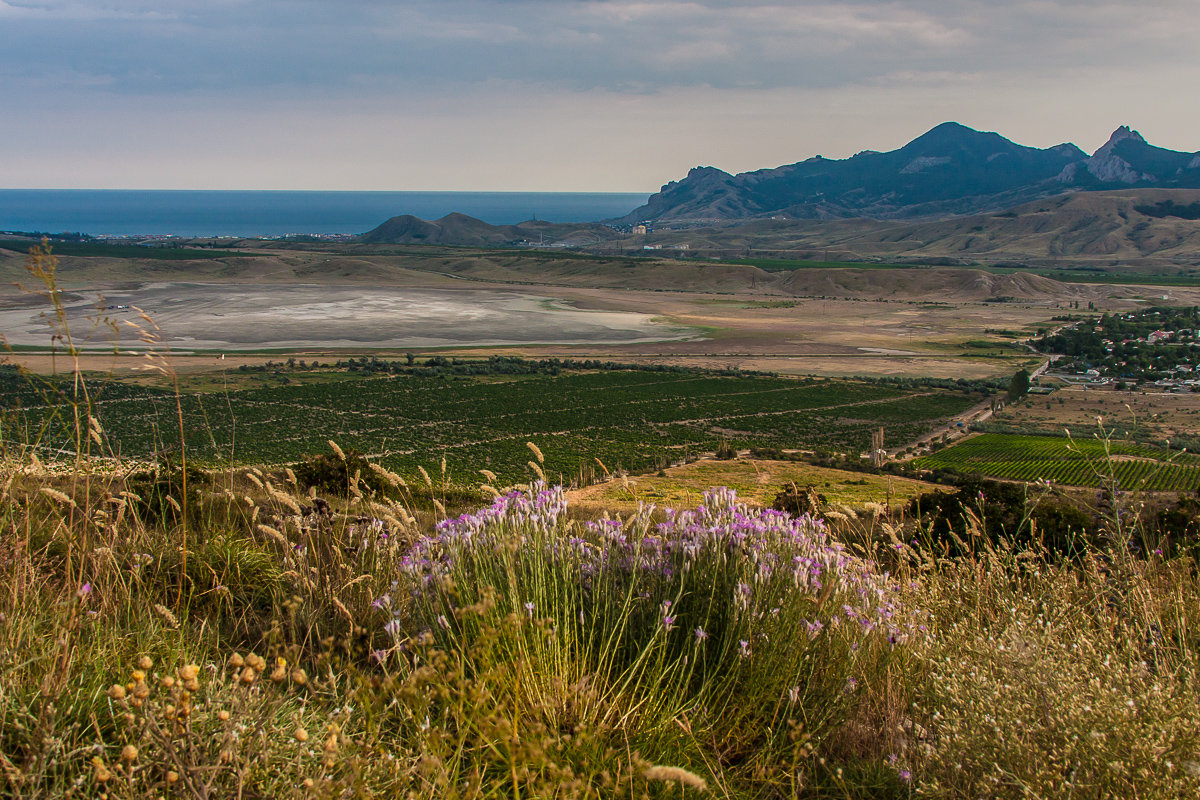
306	45
455	87
58	12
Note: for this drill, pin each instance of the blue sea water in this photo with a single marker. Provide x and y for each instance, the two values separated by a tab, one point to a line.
104	212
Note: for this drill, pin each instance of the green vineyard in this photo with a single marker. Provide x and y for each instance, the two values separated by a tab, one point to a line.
629	419
1078	462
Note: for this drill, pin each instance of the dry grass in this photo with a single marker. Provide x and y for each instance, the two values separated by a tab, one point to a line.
756	481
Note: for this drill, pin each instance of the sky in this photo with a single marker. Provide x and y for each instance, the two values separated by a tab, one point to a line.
560	95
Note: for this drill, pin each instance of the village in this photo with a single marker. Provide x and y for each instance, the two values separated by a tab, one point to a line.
1157	346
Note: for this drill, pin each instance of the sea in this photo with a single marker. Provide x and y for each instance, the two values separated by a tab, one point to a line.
203	213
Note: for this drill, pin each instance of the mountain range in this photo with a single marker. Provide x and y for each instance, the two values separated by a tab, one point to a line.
950	170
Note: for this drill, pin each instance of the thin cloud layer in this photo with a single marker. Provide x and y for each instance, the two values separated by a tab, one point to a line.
411	63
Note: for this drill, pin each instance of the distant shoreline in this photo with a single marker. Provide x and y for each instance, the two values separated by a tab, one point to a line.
255	213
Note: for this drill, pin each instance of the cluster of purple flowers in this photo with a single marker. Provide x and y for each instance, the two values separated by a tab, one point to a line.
771	559
525	515
781	556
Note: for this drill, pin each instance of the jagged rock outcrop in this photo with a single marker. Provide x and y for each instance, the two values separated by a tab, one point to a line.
1109	167
1127	159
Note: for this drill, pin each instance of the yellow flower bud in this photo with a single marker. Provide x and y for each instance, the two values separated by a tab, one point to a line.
103	773
129	753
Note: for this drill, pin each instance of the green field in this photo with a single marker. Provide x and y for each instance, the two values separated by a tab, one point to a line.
634	420
1081	462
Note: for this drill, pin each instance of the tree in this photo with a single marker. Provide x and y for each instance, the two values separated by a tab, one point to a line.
1018	387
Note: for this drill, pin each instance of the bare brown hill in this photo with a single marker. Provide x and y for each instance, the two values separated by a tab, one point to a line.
915	284
1122	224
1150	225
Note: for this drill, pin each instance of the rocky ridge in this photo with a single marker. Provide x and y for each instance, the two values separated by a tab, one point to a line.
950	170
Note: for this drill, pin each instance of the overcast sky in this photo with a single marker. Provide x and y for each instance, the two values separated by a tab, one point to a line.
560	95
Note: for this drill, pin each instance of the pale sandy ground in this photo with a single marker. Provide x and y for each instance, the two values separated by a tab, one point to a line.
226	317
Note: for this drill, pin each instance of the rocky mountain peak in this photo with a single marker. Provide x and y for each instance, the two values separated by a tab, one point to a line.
1119	135
1109	167
697	173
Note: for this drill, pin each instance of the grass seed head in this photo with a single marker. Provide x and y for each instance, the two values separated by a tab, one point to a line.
676	774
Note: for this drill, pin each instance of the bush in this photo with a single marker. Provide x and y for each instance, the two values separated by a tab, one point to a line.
754	626
796	501
159	496
334	473
1002	511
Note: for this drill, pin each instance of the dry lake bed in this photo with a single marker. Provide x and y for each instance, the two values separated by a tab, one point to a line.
254	317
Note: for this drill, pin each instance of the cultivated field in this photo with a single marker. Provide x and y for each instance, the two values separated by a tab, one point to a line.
628	420
1072	462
